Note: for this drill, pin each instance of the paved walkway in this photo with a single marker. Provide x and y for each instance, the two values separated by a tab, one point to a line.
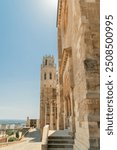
59	133
31	142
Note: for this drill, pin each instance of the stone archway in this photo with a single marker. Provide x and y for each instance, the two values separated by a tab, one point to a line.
67	113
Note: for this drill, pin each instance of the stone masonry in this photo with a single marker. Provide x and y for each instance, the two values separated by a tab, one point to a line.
78	23
48	109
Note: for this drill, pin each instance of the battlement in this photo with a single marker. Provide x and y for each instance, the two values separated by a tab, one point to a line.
48	60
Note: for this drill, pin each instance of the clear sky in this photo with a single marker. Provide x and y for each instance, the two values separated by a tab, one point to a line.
27	32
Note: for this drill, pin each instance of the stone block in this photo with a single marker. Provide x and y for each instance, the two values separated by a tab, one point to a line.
90	64
45	134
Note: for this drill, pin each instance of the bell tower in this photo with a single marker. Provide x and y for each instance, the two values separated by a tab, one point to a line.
48	93
48	72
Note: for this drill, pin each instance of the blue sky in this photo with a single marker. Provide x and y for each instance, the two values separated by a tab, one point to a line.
27	32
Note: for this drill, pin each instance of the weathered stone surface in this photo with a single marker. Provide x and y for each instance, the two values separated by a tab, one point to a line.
90	64
45	134
48	93
79	30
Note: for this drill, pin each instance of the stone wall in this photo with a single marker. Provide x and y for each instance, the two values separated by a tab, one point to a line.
79	29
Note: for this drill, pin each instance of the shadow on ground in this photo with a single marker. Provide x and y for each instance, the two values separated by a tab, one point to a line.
36	135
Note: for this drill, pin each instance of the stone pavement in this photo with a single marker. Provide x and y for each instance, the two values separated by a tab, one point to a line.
64	132
31	142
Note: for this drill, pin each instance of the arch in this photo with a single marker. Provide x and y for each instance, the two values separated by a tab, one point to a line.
46	61
44	76
50	75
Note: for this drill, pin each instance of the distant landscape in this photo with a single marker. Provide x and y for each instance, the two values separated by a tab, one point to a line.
12	121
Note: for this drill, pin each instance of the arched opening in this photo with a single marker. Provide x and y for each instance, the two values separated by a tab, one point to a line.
44	76
50	76
68	111
46	62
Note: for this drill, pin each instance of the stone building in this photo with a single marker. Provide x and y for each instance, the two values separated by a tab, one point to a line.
32	123
78	23
48	109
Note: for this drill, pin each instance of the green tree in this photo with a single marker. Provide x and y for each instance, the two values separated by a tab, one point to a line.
11	139
9	132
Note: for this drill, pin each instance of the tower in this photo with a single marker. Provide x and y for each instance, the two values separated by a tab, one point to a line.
48	93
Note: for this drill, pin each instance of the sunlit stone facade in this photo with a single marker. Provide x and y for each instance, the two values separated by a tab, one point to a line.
48	109
78	100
